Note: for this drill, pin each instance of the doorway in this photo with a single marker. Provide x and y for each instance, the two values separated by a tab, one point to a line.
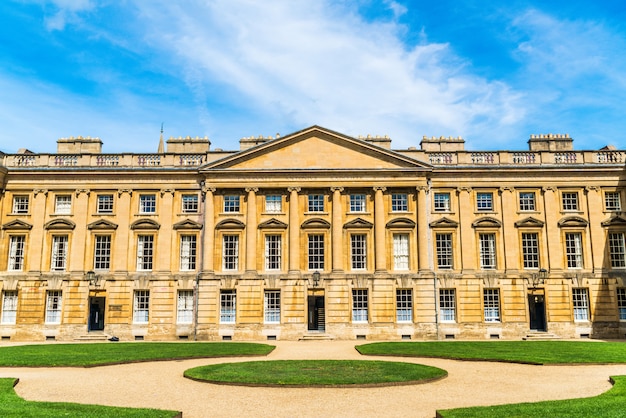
316	312
96	313
537	312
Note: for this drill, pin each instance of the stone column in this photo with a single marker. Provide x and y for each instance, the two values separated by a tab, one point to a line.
510	237
251	227
294	230
209	228
380	249
37	236
337	230
79	259
423	243
595	207
467	240
551	255
165	244
123	236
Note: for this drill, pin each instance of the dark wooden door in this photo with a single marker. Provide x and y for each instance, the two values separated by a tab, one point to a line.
537	312
96	313
316	313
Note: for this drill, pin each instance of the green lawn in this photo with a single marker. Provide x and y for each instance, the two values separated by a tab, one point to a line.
611	404
316	373
531	352
12	405
98	354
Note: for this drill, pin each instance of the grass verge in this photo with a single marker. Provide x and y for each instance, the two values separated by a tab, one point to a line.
316	373
528	352
12	405
611	404
99	354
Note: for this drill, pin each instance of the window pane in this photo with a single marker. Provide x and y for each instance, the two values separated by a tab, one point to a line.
20	204
358	251
574	250
447	305
442	202
190	203
580	299
487	251
570	201
187	252
63	204
145	246
228	307
53	307
102	252
273	252
16	253
530	250
231	204
444	250
147	203
141	307
357	203
59	253
491	301
527	201
359	305
401	251
484	201
9	307
617	250
404	305
185	307
272	306
105	203
273	204
316	203
231	252
399	202
612	201
316	252
621	303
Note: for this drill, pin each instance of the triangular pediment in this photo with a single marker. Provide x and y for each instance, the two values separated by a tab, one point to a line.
316	148
529	222
145	224
230	223
273	224
614	221
401	223
17	225
358	223
444	223
573	221
487	222
60	224
187	224
102	224
315	223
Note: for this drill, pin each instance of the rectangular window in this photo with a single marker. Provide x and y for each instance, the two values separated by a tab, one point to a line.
228	307
442	202
147	203
63	204
141	307
574	250
231	204
190	203
530	250
187	252
399	202
272	306
105	203
273	252
230	258
20	204
58	260
316	203
184	310
401	251
358	251
316	252
621	303
53	306
443	244
273	204
570	201
9	307
484	201
487	251
447	305
16	252
612	201
580	301
145	252
527	201
357	203
102	252
404	305
491	303
617	250
359	305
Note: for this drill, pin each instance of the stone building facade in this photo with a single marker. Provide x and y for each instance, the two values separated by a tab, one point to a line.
313	234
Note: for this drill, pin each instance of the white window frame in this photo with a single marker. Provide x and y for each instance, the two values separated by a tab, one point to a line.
441	202
360	312
63	204
230	252
530	250
491	304
580	304
147	203
401	252
21	204
527	202
273	252
105	203
621	303
232	203
9	307
54	305
315	203
228	306
612	201
315	252
273	203
444	250
447	305
399	202
569	201
617	250
17	244
271	306
484	201
141	306
189	203
188	245
145	252
487	244
184	307
358	251
58	258
102	252
404	305
574	250
358	203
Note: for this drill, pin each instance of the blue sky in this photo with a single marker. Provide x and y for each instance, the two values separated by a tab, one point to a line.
493	72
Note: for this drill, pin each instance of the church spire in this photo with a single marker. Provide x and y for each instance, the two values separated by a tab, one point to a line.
161	149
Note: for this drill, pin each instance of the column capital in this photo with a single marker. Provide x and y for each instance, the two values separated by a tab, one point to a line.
252	189
463	189
165	191
294	189
37	191
506	189
122	191
549	188
591	188
79	191
336	189
380	188
424	189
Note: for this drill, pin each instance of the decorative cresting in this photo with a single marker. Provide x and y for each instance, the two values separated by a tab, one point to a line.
444	223
529	222
187	224
60	224
273	224
405	223
358	223
145	224
486	222
614	221
102	224
572	221
315	223
230	223
17	225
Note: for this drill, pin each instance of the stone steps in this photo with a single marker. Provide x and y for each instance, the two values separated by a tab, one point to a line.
538	336
92	337
316	337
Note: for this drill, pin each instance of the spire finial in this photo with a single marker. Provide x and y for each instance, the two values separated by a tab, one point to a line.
161	149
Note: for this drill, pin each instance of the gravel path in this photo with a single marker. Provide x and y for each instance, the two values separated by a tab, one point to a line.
161	385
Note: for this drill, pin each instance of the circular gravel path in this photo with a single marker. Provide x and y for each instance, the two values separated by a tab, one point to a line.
162	385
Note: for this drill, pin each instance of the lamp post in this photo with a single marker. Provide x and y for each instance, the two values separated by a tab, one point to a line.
316	278
93	279
539	277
